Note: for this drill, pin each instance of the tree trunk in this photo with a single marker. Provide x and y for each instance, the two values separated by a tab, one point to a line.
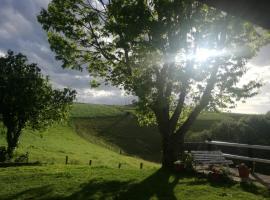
169	153
181	145
12	140
173	150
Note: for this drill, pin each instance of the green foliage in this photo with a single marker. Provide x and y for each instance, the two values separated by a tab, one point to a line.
149	49
134	44
27	98
250	129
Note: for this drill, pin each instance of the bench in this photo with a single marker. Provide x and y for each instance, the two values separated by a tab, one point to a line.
209	158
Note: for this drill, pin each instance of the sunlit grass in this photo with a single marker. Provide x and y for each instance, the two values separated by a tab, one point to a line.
103	179
83	182
59	141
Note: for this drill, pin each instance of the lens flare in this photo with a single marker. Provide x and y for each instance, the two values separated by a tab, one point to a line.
201	55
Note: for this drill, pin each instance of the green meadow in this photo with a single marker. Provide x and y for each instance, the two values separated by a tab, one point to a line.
99	133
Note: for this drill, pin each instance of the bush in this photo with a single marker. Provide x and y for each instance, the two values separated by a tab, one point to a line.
219	174
198	136
23	158
3	153
250	130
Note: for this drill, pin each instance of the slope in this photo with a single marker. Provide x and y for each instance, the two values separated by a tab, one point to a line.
51	146
116	128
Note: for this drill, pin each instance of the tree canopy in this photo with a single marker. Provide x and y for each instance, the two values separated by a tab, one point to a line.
177	56
27	98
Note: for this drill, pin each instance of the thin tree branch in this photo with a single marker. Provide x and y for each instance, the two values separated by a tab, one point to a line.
202	104
178	110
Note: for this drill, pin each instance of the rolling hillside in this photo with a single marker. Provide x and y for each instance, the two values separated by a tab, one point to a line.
98	134
116	128
51	146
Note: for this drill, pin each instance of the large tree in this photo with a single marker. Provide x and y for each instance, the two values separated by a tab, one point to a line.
178	57
27	98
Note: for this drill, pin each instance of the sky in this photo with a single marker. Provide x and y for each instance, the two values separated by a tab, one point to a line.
20	32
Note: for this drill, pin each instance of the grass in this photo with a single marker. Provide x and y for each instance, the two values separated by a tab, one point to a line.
118	129
82	183
95	110
92	127
96	131
52	145
91	134
122	132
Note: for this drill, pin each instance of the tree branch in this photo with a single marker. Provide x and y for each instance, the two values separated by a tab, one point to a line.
202	104
178	110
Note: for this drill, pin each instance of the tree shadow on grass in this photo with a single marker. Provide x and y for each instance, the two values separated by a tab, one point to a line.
253	188
160	185
246	186
99	190
40	193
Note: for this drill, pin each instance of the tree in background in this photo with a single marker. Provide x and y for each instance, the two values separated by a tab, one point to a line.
178	57
252	129
27	98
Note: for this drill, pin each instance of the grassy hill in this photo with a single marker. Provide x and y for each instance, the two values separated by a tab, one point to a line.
97	133
116	128
52	145
101	131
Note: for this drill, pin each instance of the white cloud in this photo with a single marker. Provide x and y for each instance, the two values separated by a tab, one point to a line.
14	25
20	32
2	54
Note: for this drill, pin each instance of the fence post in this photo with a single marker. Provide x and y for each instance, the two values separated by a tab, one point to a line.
66	160
27	157
90	162
209	146
253	167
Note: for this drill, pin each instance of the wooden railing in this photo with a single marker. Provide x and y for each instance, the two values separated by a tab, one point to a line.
238	145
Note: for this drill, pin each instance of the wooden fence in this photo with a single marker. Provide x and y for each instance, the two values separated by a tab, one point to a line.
256	156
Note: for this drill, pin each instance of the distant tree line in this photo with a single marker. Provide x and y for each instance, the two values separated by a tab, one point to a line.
251	129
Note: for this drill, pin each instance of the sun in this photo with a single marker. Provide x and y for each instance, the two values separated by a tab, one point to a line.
204	54
201	55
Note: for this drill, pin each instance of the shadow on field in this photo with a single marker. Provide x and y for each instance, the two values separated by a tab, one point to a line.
255	189
160	184
42	192
122	132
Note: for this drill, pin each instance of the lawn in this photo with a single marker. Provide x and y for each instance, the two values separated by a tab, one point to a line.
99	137
83	182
